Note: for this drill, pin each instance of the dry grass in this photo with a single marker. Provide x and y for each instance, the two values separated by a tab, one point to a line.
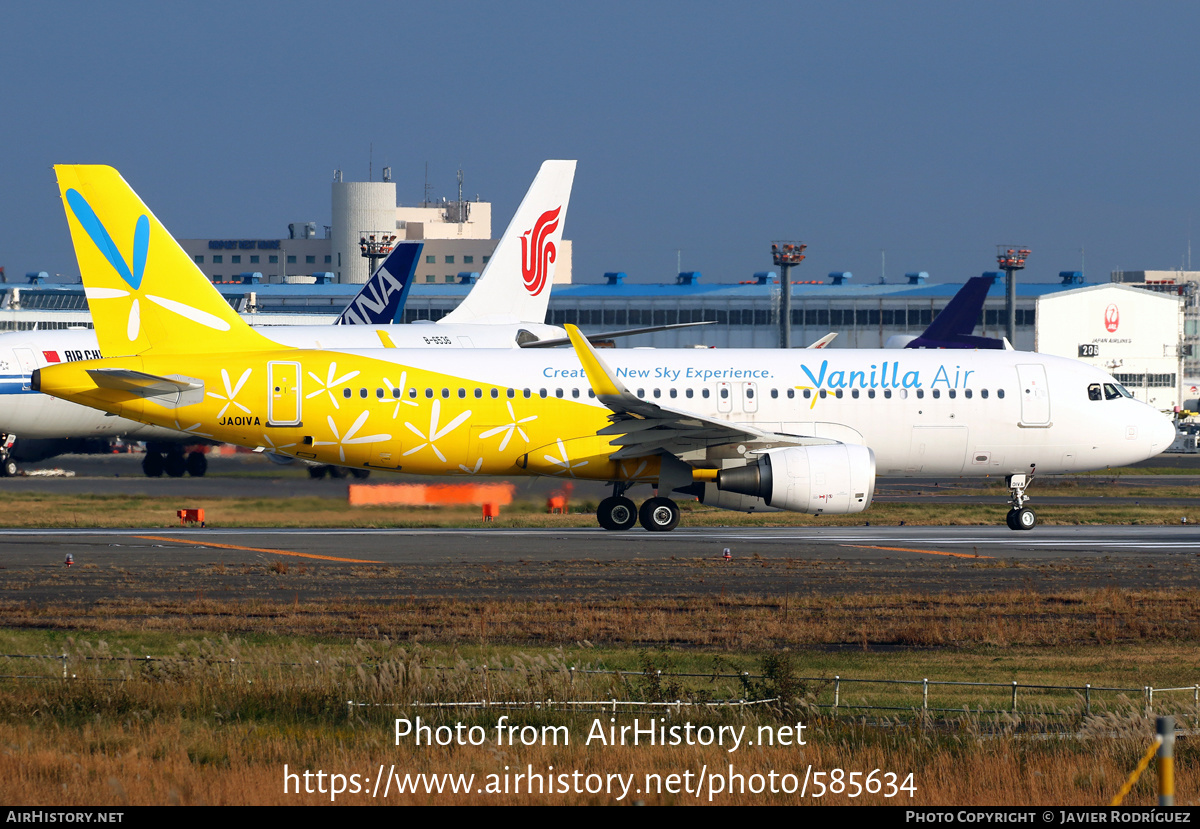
1014	618
194	729
29	510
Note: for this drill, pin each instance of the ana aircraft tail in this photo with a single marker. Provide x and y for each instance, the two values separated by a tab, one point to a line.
384	294
145	293
515	285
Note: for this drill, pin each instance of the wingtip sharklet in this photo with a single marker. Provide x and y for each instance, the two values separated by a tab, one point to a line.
599	376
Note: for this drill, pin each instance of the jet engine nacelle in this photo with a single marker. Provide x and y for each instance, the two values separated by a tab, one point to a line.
834	479
714	497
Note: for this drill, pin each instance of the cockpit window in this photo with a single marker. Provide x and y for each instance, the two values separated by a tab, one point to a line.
1124	391
1094	392
1110	392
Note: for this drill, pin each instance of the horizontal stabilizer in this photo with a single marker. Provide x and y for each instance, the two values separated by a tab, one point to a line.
142	384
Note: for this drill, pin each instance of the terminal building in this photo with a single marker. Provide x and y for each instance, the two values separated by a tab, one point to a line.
1137	335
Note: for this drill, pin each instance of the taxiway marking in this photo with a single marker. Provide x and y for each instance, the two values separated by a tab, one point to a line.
255	549
910	550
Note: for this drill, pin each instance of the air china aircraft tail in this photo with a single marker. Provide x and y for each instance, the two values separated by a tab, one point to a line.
515	285
145	293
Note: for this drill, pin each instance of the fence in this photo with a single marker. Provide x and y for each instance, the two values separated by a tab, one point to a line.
834	695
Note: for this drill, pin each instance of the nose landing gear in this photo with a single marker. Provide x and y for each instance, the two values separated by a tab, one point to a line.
1019	516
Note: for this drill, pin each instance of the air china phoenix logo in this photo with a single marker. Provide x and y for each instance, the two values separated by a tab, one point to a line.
537	253
131	273
1112	318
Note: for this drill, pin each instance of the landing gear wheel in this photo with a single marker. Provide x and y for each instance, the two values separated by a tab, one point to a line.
1011	519
617	513
317	472
175	465
360	473
659	515
337	472
1025	519
197	464
8	468
153	464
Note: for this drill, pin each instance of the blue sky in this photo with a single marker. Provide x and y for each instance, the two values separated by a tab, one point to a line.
930	130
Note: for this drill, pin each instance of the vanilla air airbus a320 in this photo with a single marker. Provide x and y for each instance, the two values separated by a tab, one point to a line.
748	430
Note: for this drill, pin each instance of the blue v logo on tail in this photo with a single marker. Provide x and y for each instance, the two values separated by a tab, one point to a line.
95	230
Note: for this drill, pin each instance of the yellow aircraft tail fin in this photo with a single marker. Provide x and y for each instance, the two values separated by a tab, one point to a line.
145	293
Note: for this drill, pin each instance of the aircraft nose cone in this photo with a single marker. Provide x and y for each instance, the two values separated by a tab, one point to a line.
1161	431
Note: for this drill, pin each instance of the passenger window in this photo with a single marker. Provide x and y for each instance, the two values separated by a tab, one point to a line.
558	393
967	393
791	393
687	393
937	393
871	393
512	393
704	393
807	393
395	394
854	393
495	393
429	392
591	393
724	394
1000	393
838	394
575	393
674	393
952	393
412	393
478	393
920	394
527	393
903	394
658	393
346	393
887	394
749	394
362	393
445	393
542	393
774	394
462	393
824	394
641	392
983	393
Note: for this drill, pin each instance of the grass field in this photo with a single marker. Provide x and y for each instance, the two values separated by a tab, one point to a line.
32	510
214	720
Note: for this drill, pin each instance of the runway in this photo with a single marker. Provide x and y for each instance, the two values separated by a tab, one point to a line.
379	565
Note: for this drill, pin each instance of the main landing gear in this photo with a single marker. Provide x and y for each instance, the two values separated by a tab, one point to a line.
1019	516
619	513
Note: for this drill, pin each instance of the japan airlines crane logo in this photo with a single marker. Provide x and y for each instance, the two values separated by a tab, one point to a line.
537	253
1112	318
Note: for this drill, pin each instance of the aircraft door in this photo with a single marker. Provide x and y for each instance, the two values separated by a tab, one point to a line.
724	397
750	397
1035	395
28	364
283	401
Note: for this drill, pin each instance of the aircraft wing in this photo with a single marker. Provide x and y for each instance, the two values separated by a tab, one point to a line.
642	427
609	335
